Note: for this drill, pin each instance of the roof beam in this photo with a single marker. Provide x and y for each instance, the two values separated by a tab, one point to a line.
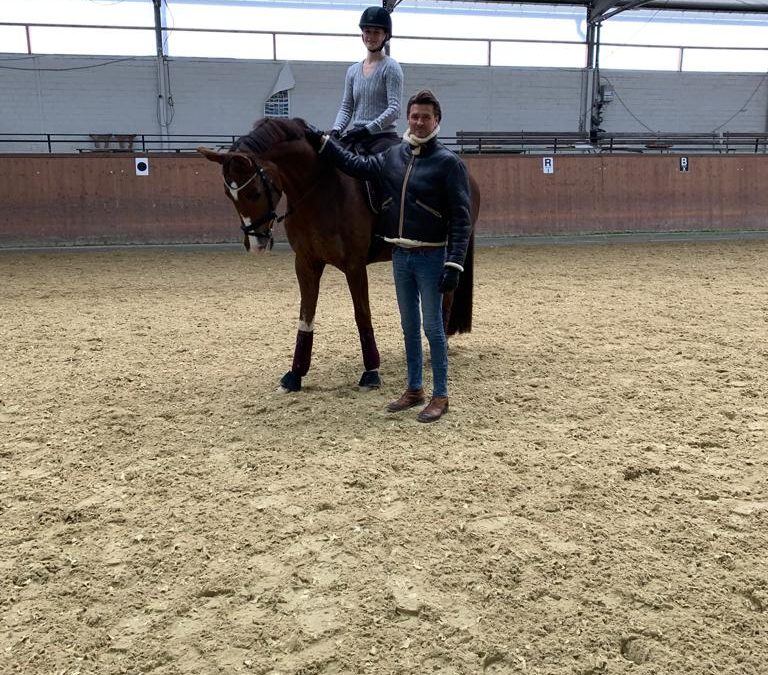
605	9
735	6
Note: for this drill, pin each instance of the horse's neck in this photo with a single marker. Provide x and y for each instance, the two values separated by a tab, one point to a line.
299	171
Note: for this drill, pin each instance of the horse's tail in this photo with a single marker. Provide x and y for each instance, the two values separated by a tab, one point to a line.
460	317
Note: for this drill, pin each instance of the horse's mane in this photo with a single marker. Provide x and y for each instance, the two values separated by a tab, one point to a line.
268	132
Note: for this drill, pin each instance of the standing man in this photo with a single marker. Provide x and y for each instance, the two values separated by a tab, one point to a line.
426	214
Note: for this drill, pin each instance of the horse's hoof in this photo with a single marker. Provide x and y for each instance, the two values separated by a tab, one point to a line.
369	380
291	381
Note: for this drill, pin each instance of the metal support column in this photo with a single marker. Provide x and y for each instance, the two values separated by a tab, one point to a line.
389	5
587	81
592	102
164	97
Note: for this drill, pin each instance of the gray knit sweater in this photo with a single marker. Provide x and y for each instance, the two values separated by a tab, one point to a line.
372	101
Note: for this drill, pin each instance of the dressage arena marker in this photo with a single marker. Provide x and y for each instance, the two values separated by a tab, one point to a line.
142	166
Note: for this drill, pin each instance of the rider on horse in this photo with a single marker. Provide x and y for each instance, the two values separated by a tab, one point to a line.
373	90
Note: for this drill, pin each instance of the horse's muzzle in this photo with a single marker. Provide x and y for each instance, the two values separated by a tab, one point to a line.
259	243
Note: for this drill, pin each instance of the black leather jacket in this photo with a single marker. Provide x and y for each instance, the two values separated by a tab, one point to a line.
425	196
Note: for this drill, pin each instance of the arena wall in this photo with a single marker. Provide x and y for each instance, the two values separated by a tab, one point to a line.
84	95
53	200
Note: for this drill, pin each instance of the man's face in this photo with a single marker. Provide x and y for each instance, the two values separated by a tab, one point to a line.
422	120
373	37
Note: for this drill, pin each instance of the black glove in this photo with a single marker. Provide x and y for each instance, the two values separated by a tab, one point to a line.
449	279
314	137
335	134
356	135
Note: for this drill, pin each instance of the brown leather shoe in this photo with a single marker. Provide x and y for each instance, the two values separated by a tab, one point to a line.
407	400
437	407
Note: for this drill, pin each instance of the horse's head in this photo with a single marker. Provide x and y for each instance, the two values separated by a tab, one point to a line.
252	182
255	189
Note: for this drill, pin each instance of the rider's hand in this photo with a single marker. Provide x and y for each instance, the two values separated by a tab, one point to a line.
355	135
335	134
449	279
314	137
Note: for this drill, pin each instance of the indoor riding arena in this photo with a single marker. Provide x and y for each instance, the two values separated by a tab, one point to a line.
595	501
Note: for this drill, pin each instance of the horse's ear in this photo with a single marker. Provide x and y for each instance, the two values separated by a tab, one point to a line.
212	155
241	161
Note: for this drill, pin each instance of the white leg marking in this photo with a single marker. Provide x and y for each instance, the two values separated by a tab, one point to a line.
306	327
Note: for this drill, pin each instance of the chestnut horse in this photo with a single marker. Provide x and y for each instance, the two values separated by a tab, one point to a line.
328	222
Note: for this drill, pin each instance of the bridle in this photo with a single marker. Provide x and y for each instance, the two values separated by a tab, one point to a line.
270	216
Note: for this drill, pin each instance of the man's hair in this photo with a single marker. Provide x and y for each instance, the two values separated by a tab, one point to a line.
425	97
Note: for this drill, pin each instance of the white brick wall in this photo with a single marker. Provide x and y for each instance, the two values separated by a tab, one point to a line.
226	96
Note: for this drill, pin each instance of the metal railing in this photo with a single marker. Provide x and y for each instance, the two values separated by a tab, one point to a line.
574	142
721	142
487	43
465	142
111	143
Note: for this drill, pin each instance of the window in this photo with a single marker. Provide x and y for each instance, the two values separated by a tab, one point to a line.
278	105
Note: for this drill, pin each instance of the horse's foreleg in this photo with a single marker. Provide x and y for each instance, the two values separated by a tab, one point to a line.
357	280
308	273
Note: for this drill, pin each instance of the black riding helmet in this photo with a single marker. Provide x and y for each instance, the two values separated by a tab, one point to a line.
377	17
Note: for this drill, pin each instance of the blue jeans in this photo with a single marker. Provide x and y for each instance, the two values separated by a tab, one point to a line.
417	275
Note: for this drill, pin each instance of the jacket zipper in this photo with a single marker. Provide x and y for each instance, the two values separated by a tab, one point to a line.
429	209
402	194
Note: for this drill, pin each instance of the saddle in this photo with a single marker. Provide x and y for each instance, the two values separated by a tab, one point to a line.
373	198
374	201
